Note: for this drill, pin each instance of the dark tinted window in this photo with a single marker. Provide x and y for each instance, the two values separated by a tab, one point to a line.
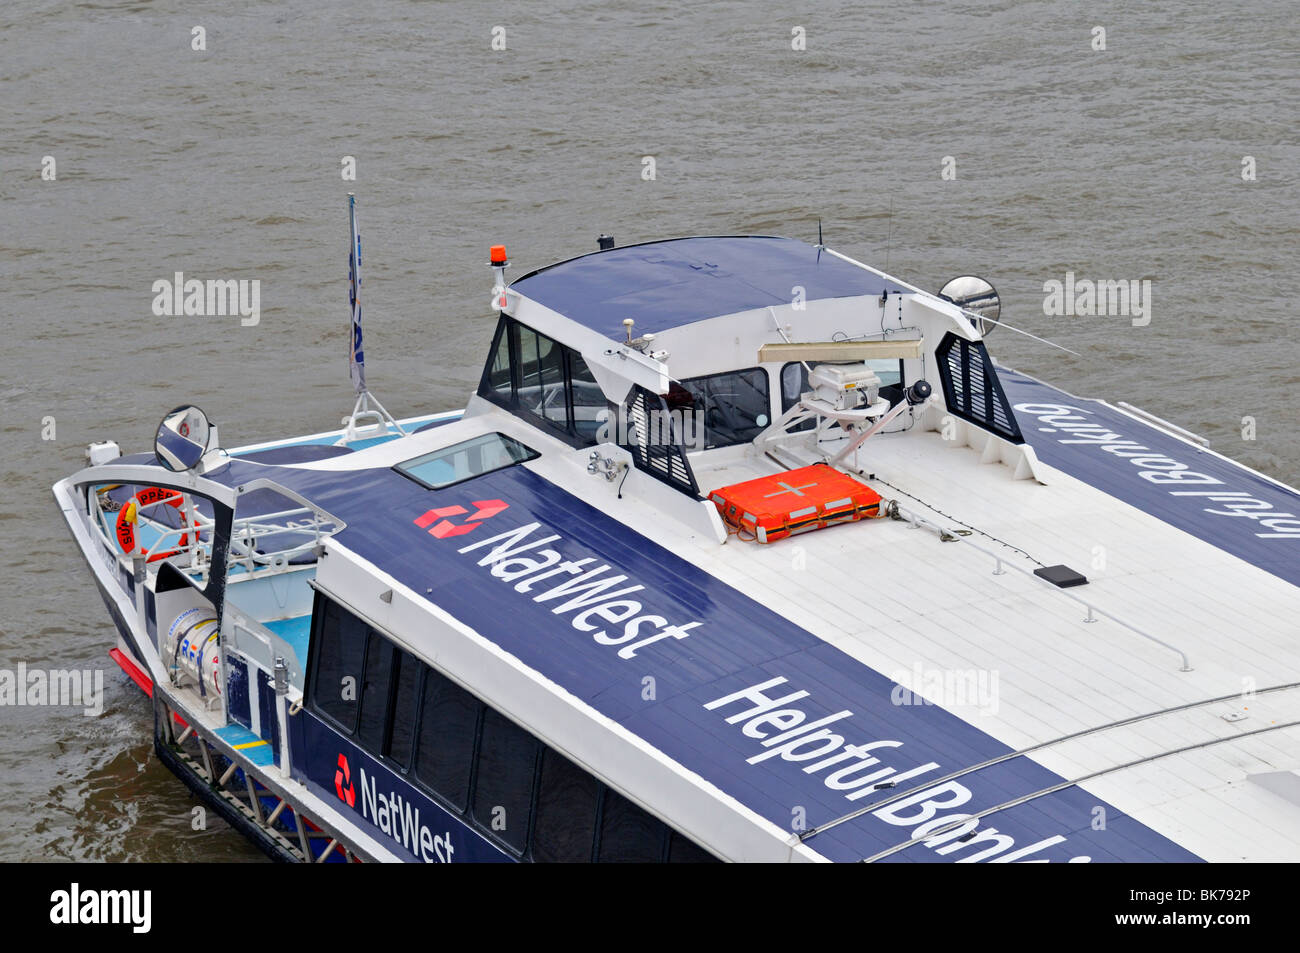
458	736
408	687
533	375
498	370
341	646
448	723
541	376
628	834
683	850
588	399
734	407
794	382
374	696
889	371
503	786
565	827
794	378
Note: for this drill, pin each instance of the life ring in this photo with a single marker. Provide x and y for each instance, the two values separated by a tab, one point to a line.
129	514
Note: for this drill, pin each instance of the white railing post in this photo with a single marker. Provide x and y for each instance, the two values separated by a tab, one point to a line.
1093	610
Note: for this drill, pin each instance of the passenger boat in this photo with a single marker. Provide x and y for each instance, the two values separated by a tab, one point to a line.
742	551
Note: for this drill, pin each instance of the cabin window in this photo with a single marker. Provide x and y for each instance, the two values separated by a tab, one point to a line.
340	646
541	377
628	834
503	789
889	371
732	408
498	370
405	700
527	796
465	460
590	408
794	383
544	382
566	811
683	850
374	695
448	726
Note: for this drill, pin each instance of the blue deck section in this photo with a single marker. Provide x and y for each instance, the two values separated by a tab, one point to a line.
1205	495
297	632
247	743
667	284
712	641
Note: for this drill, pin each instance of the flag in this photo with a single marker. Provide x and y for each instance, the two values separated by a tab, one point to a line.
356	356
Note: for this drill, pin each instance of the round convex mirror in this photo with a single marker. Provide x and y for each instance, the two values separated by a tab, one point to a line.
978	298
182	438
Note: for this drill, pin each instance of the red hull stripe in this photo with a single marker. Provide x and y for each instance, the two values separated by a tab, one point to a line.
139	677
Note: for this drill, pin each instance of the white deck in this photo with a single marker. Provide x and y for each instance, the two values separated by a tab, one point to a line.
903	599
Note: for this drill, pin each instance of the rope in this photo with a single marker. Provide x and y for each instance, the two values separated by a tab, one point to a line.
976	529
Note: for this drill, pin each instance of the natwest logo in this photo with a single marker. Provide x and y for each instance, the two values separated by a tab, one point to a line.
343	783
443	527
399	818
591	592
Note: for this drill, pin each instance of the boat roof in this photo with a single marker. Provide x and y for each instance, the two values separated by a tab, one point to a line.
667	284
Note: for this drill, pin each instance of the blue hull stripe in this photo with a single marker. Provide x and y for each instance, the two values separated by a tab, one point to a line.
1202	494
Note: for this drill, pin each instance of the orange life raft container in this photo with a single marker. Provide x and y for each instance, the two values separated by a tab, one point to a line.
797	501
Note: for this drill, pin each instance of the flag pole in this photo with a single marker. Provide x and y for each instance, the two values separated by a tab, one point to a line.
367	408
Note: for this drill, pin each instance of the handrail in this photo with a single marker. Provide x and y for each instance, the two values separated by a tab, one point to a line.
1043	792
1023	752
242	534
281	513
948	535
245	532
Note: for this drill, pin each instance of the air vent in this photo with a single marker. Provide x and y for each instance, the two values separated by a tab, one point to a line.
662	459
1062	576
971	388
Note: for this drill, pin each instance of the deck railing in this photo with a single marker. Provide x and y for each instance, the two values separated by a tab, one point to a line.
1093	611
